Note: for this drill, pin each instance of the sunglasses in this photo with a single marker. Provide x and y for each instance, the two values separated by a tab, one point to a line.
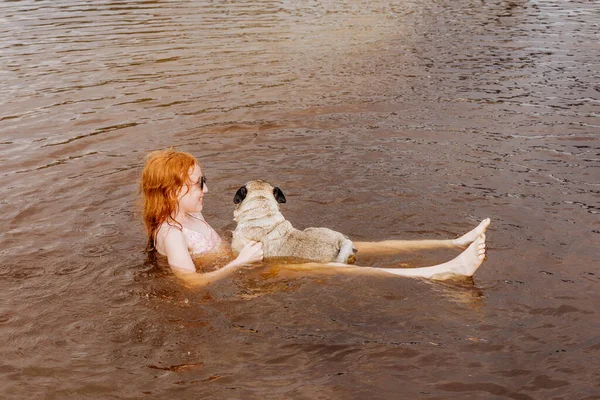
202	182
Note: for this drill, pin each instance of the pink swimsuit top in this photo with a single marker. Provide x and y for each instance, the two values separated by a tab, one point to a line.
200	243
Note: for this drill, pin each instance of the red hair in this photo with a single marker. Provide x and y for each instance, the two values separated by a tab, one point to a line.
165	173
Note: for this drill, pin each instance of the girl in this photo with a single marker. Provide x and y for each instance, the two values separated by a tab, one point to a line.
173	189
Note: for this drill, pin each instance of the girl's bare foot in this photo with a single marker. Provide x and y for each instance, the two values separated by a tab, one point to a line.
468	238
466	263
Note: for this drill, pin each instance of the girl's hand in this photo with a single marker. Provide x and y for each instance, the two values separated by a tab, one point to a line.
252	252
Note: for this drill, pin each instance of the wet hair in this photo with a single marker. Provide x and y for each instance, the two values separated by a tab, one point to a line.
165	173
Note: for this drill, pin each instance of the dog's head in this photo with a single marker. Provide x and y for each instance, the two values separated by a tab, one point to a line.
258	188
257	200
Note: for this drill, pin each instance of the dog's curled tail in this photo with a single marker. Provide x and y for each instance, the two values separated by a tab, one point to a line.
347	251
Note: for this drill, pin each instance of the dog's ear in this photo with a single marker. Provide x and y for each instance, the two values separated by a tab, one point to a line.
278	195
240	195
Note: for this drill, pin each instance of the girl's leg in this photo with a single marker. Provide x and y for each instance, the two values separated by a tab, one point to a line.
465	264
397	246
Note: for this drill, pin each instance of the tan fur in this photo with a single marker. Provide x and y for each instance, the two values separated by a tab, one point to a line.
258	218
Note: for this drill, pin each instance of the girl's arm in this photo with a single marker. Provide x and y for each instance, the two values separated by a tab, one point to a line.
177	251
183	266
195	279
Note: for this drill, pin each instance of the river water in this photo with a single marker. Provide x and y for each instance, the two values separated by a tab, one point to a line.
381	119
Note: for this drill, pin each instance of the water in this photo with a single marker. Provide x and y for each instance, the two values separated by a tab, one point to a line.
407	119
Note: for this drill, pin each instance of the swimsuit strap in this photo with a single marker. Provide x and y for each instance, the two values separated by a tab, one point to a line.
200	243
210	229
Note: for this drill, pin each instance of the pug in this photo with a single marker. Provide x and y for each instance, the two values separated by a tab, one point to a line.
259	219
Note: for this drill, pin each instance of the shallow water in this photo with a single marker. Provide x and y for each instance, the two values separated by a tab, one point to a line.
408	119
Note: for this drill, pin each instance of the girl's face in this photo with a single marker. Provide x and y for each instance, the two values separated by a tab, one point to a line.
191	194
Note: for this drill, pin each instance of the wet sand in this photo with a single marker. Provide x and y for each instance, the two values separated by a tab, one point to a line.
410	120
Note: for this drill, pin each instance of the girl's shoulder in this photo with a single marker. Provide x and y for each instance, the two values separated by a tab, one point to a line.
167	232
167	228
